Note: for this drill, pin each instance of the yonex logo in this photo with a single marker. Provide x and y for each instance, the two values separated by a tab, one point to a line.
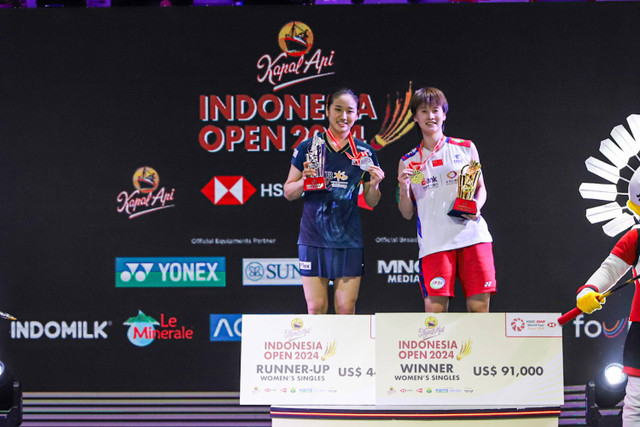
171	272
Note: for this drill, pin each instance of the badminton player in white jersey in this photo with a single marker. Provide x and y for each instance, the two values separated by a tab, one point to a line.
450	246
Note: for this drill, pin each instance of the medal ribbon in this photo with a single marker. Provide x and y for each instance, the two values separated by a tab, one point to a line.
418	165
357	155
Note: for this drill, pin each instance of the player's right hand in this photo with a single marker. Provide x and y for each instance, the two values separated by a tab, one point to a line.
590	301
308	172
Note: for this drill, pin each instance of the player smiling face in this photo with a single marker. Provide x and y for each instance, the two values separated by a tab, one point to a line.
342	114
430	118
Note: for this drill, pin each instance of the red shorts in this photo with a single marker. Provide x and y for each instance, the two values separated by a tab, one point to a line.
473	265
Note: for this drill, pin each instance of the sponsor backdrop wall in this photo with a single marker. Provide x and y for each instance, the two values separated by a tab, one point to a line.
144	153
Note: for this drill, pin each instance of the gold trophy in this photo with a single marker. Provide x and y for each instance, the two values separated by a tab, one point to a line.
316	155
467	183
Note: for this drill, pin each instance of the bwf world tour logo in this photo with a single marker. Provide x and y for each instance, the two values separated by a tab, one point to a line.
292	66
145	199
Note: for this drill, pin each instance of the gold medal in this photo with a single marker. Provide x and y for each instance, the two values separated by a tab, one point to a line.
417	176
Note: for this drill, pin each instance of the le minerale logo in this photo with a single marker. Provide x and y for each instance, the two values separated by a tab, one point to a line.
180	272
144	329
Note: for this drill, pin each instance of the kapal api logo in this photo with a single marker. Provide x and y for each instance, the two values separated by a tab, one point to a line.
431	329
297	63
147	197
297	330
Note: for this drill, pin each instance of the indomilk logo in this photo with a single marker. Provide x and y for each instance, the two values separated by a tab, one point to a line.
77	329
142	329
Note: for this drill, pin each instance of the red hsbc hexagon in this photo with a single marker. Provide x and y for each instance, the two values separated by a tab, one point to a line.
228	190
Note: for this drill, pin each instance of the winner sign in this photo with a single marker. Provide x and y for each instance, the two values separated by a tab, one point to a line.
462	359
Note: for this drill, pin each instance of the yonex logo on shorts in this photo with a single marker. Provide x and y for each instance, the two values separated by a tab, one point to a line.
305	265
437	283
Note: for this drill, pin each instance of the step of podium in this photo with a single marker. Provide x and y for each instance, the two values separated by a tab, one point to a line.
196	409
132	409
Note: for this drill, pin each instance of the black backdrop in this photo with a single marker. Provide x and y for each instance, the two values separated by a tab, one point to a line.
89	96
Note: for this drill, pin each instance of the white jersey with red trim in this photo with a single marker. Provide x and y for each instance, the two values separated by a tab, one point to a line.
434	196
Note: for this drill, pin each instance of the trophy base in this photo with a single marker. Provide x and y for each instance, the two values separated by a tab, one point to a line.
463	206
316	184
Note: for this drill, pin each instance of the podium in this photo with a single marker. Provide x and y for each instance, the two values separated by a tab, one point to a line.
410	368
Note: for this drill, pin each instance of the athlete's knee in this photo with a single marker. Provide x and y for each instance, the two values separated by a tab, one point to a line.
317	306
345	305
317	309
436	304
478	303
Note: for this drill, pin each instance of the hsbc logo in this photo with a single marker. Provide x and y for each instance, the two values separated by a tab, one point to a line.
228	190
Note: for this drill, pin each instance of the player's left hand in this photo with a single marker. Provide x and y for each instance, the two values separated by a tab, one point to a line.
472	217
377	175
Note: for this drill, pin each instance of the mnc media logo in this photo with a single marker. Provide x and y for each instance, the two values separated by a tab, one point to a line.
179	272
399	271
226	327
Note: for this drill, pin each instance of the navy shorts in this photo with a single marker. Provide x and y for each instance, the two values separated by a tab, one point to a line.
331	263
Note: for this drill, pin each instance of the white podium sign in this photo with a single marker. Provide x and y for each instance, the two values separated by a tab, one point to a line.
487	359
307	359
